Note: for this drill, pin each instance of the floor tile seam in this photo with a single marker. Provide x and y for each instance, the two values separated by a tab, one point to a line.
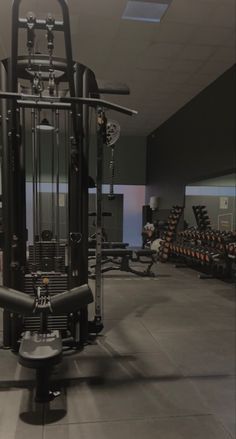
161	348
122	353
167	353
110	319
220	421
191	330
111	351
132	419
201	396
129	279
203	327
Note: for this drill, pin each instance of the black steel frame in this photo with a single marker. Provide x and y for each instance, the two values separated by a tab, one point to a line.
82	85
14	203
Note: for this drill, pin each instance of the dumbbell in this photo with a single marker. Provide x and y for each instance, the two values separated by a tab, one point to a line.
193	253
231	248
172	222
171	229
189	251
197	253
202	255
169	238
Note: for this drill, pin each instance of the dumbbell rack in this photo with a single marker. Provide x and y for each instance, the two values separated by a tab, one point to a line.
201	217
169	235
212	252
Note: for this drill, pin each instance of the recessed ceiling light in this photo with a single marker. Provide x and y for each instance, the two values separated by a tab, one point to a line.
149	11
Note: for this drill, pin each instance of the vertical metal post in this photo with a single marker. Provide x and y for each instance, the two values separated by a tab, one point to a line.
57	192
18	214
6	184
6	206
112	173
82	86
74	196
84	157
70	64
39	178
34	191
52	176
98	268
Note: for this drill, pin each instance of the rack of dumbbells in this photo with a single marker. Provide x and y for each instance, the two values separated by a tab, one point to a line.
212	252
201	217
169	234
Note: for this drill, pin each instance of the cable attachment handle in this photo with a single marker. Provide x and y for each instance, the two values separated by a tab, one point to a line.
51	83
37	84
50	23
31	20
42	305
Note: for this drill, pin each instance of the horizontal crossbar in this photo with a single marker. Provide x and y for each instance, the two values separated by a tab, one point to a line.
92	102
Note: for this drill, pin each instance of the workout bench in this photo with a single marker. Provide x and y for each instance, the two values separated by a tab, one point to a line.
42	350
120	258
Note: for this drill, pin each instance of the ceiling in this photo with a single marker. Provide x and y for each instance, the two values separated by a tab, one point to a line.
165	64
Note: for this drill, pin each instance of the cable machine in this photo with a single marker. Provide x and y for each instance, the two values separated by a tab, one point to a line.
45	292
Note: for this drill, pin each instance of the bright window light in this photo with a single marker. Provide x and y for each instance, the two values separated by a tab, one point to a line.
149	11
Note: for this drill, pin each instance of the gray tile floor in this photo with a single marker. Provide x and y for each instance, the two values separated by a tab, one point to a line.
164	367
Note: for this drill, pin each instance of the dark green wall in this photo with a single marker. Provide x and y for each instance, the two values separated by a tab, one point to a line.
130	160
197	142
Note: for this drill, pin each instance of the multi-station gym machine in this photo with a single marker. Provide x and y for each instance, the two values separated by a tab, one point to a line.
45	292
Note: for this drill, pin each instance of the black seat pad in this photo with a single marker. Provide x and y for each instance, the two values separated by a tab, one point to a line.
114	252
114	245
107	244
40	350
145	252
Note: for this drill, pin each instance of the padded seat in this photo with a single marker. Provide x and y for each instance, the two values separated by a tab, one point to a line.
114	245
40	350
111	256
117	252
145	252
107	244
113	252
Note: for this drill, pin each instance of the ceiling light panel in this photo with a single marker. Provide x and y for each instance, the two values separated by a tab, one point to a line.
142	10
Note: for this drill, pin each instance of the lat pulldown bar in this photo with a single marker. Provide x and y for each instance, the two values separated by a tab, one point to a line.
92	102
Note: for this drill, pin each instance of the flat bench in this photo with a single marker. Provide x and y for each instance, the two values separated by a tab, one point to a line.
120	259
145	252
114	252
107	244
